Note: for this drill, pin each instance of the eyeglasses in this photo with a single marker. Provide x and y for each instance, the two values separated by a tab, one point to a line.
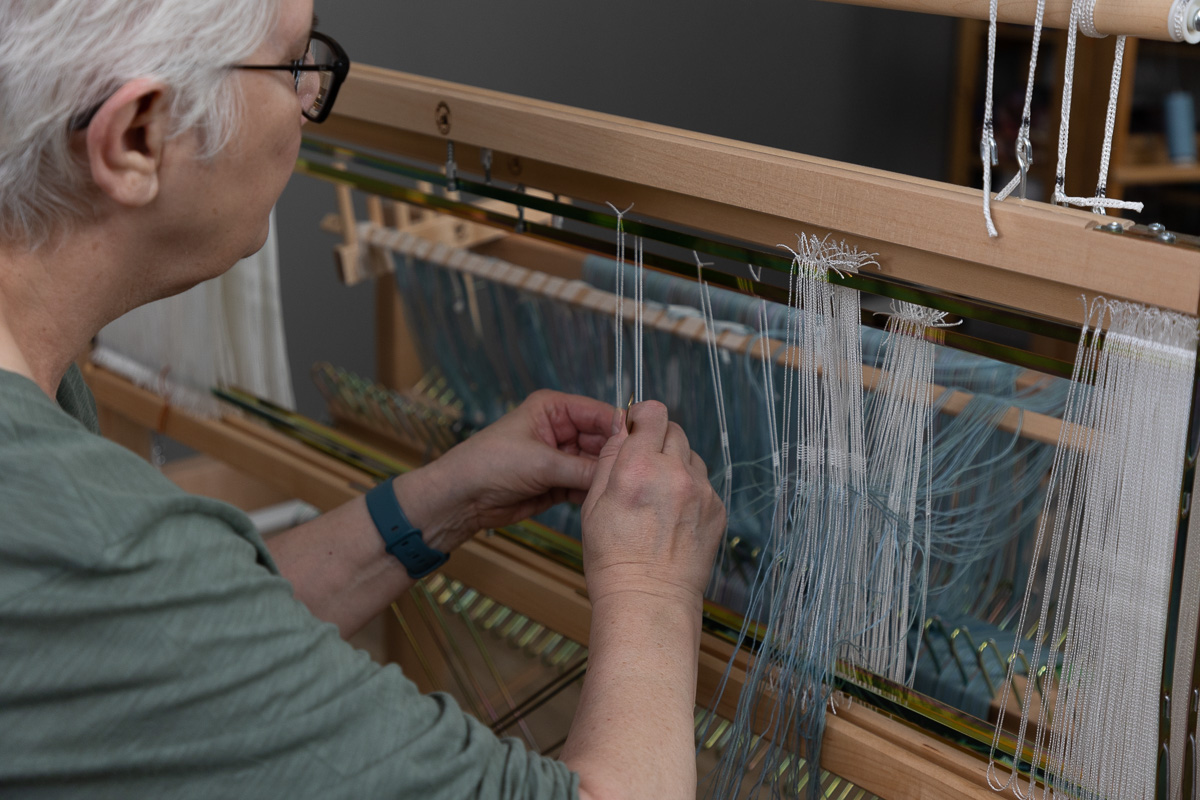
318	75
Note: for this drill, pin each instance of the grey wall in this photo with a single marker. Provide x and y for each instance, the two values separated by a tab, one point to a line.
853	84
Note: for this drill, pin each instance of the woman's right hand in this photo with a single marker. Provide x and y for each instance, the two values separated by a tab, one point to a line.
651	522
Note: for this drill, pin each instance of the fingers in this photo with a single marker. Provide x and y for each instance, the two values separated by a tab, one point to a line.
604	464
566	471
568	416
649	423
591	443
676	443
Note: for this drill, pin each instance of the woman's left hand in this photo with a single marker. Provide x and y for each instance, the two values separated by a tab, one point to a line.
541	453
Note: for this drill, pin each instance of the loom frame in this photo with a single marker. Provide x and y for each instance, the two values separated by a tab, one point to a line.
734	190
1045	257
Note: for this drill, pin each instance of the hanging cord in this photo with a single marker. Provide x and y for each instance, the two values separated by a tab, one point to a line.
1080	12
1024	146
987	143
619	321
1110	123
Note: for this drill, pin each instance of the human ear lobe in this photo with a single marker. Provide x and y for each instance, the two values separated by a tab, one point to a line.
125	141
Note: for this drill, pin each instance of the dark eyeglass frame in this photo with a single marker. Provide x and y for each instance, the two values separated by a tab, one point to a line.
340	68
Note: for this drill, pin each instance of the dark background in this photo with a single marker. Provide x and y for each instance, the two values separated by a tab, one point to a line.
853	84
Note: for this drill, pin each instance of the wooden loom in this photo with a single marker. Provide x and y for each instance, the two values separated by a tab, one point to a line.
929	237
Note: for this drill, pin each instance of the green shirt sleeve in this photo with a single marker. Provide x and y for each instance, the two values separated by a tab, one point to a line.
149	649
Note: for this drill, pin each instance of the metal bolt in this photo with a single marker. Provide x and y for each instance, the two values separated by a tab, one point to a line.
1112	227
1167	236
1156	227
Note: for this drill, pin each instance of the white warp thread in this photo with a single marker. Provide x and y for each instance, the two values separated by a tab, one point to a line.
1108	530
619	322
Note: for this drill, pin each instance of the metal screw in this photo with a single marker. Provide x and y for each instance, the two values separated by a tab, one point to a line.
1112	227
1167	236
1194	22
1156	227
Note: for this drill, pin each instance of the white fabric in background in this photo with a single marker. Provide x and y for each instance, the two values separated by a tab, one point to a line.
224	332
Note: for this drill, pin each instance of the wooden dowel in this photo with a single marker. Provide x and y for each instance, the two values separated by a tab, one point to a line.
1164	20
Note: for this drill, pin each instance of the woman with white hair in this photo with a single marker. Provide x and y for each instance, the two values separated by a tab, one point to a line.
151	644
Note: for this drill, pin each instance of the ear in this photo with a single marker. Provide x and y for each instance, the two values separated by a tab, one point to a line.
125	141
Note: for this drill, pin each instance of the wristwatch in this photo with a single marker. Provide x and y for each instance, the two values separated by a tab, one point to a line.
400	537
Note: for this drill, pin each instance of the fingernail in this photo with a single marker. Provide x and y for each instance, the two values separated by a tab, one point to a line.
617	422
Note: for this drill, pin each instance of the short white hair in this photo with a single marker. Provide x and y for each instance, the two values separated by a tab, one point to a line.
61	59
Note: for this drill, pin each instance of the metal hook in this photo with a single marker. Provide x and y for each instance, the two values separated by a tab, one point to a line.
520	211
451	169
1024	158
485	155
988	151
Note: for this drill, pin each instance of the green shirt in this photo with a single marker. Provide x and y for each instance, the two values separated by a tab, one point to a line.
150	649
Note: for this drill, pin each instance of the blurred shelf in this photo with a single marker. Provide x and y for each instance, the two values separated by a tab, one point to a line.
1146	163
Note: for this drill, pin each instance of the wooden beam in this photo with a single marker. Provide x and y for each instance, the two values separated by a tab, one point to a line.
925	232
1146	19
307	475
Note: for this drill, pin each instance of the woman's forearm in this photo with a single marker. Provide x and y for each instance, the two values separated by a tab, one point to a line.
337	563
632	736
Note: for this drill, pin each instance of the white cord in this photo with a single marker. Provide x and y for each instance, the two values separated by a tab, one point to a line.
1110	123
987	142
1024	147
1099	202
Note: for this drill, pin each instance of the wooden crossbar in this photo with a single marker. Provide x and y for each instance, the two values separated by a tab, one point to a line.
925	232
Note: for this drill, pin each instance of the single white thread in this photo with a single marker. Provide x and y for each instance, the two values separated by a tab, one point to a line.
619	321
639	364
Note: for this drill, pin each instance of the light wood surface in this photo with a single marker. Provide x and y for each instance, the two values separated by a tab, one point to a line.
278	461
1146	19
210	477
925	232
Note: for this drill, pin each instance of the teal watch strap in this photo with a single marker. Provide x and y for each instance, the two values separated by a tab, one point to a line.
400	537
